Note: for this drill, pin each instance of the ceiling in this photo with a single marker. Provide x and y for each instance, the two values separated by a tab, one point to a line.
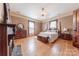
33	10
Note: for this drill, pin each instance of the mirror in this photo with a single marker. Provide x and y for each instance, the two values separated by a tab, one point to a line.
20	26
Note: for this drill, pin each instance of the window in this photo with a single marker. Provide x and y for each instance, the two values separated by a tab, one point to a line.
31	28
52	25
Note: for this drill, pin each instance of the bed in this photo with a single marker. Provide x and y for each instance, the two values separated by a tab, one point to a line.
48	36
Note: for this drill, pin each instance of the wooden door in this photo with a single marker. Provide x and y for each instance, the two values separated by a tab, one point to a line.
76	21
3	40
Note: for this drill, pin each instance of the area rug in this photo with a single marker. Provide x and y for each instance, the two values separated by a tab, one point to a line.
17	51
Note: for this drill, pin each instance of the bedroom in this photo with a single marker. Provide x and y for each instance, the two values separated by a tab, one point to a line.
44	29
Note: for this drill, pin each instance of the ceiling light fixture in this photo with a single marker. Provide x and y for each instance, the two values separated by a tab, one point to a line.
43	12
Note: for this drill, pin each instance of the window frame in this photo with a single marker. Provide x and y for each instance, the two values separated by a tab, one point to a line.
28	26
53	21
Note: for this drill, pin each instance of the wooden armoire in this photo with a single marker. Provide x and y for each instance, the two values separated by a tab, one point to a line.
5	39
4	36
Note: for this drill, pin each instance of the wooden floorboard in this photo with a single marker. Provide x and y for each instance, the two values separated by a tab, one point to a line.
32	47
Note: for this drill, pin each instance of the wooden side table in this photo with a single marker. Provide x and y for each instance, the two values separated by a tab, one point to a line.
66	36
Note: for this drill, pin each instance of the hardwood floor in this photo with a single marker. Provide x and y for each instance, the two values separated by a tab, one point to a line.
33	47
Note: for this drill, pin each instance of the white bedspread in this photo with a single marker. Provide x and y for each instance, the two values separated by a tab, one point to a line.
52	35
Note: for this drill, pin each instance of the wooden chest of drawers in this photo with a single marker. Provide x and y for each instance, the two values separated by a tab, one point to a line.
20	34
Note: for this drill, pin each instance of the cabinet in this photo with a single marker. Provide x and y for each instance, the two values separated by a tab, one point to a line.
20	34
5	39
76	40
66	36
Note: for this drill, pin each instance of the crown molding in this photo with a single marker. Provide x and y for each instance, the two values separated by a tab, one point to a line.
16	14
59	16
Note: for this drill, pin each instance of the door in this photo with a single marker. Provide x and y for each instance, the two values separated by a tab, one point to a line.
76	21
31	28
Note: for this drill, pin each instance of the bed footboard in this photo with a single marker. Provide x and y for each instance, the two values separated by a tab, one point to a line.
43	39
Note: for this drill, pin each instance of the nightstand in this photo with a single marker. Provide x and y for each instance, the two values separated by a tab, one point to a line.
76	40
66	36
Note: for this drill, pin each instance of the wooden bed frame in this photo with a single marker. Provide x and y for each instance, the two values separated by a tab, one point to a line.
43	39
